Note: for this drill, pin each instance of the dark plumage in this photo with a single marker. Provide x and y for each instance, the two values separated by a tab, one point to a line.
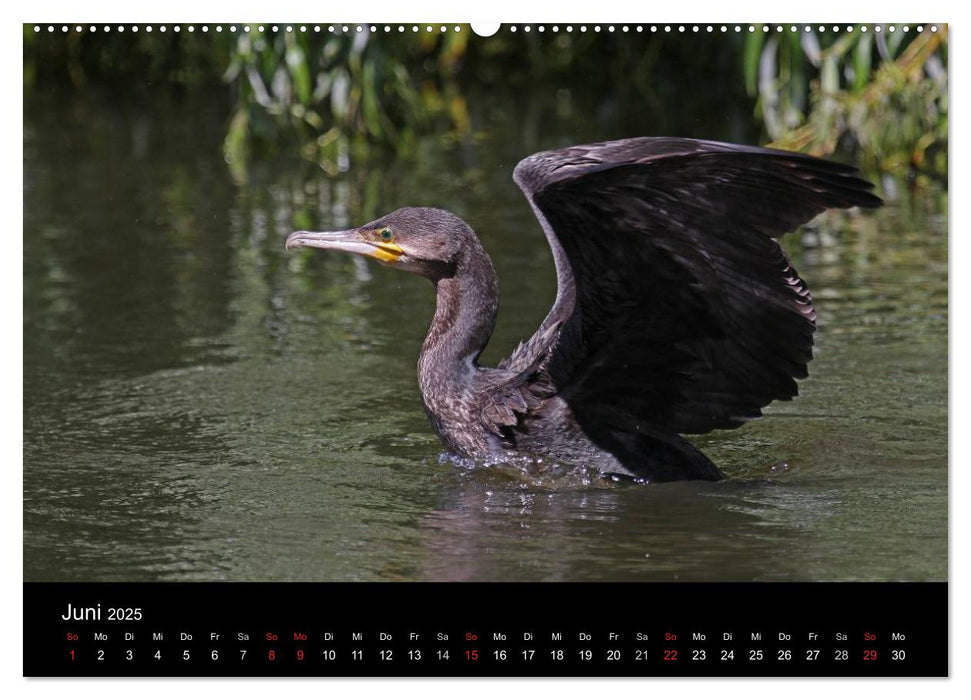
676	310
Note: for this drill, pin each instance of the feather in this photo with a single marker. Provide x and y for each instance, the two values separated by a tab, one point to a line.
676	309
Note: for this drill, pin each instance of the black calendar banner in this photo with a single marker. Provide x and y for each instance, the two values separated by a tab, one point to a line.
495	629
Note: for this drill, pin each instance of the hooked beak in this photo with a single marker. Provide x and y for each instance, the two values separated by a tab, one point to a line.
346	241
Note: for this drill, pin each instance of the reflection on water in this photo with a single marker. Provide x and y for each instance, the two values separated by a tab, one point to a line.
201	405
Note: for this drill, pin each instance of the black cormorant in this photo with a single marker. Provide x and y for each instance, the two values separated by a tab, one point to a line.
676	310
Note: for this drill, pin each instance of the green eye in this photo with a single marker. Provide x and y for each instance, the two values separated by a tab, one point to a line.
386	234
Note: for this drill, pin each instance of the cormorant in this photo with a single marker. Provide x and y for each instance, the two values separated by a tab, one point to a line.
676	310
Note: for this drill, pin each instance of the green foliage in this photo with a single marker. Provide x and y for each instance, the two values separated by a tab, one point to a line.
336	96
882	94
329	95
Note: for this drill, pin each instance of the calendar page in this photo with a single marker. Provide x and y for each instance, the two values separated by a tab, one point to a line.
395	349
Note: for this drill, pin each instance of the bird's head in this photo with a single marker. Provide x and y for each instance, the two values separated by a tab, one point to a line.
428	242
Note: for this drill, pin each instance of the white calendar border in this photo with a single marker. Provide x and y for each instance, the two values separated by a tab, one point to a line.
450	11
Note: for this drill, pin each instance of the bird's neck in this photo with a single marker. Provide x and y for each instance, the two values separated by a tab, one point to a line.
465	315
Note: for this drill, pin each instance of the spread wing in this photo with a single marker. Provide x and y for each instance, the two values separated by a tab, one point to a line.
676	308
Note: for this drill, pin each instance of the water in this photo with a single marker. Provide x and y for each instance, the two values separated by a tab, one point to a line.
201	405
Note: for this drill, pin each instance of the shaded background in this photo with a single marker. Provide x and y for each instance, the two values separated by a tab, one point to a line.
201	405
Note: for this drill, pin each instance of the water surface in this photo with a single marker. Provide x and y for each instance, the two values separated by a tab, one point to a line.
201	405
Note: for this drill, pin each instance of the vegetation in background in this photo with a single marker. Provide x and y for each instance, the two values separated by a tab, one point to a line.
881	94
329	95
346	94
334	97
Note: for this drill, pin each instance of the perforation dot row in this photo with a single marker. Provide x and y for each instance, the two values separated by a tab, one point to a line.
400	28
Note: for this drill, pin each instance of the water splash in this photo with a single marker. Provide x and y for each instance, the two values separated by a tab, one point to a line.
533	472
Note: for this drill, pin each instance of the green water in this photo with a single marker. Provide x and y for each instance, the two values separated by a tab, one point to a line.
201	405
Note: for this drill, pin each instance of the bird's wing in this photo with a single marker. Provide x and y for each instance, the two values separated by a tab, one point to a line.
676	308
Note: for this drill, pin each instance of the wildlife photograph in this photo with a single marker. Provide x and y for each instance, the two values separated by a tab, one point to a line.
518	302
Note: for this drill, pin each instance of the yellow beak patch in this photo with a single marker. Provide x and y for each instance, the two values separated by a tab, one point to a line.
387	252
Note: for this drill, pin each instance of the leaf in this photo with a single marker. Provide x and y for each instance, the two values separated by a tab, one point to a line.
750	61
811	48
371	102
862	61
260	94
281	86
299	71
339	94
